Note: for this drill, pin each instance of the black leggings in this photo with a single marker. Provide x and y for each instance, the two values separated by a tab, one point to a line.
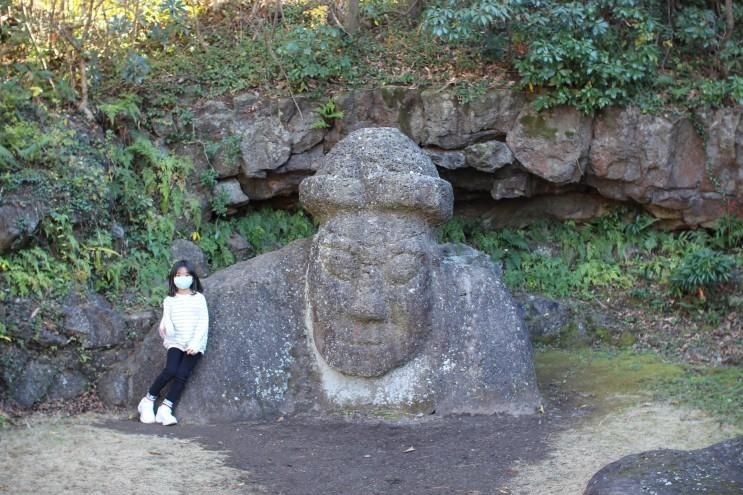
178	368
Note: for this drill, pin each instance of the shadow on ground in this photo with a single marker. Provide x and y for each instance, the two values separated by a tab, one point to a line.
310	456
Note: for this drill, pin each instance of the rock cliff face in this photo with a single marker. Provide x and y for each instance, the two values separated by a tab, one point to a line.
685	170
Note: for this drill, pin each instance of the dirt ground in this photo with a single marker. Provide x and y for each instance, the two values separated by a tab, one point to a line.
547	454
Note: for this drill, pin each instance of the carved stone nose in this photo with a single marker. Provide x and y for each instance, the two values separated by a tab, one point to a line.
368	301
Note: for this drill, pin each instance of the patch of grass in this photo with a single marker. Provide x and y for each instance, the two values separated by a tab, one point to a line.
612	378
603	373
717	390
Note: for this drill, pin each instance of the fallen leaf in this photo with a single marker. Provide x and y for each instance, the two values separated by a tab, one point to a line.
410	449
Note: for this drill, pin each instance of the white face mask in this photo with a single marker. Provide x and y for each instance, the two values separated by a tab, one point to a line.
183	282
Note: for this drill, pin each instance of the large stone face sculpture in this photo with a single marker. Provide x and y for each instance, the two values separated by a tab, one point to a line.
369	286
369	292
370	313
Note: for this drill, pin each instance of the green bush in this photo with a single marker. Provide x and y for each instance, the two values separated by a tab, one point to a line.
728	233
587	55
35	272
701	269
314	54
616	251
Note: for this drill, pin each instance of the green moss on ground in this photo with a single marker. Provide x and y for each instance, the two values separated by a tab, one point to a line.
611	379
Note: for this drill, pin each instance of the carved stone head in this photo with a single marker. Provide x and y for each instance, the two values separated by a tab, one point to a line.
377	197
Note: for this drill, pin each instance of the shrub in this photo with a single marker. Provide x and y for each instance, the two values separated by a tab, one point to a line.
701	269
317	54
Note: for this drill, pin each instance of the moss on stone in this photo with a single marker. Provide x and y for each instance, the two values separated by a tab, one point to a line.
536	126
392	95
569	337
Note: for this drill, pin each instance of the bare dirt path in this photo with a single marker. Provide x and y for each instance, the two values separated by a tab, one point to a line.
551	454
582	429
311	456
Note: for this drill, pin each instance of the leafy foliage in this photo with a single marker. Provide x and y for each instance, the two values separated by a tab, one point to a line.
607	64
116	205
702	269
327	113
313	53
457	20
618	251
594	54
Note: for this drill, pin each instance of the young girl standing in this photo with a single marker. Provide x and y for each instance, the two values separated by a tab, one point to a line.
184	329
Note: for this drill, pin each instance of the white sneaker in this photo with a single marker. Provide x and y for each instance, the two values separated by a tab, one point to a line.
165	416
146	410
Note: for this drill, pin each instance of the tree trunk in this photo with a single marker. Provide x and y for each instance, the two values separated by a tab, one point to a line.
351	16
415	7
729	22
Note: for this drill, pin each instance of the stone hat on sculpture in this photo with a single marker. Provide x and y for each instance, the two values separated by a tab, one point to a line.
377	169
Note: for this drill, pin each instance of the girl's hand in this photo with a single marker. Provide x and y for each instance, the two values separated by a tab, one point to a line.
161	331
190	351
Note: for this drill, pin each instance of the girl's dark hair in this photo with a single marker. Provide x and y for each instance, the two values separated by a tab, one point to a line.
195	285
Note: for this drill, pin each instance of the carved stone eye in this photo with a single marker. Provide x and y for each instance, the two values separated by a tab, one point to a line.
339	263
402	268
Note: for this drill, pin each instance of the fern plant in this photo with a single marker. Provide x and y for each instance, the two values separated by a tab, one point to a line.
729	231
328	112
701	270
125	107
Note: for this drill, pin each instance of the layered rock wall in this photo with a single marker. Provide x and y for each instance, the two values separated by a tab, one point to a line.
684	169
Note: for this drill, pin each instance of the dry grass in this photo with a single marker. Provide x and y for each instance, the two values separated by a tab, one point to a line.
71	455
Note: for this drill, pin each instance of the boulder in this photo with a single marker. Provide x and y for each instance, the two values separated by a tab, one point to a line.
716	469
232	193
182	249
214	125
303	136
437	119
450	160
67	384
494	112
511	182
92	321
723	140
20	215
545	318
552	144
647	157
33	382
240	247
488	156
368	108
138	323
441	122
265	145
306	162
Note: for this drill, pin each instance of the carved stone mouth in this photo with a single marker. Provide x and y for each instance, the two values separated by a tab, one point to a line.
364	334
